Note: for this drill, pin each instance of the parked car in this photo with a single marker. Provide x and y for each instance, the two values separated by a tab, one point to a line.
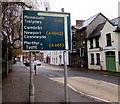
24	61
27	63
37	62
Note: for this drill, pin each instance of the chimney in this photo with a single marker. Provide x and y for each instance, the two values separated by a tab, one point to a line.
79	22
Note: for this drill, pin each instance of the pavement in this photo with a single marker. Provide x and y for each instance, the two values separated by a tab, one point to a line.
15	88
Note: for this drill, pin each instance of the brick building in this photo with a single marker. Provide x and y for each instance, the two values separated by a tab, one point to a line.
37	56
78	57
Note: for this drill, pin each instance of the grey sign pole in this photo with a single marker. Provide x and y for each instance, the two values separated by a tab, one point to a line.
65	77
31	86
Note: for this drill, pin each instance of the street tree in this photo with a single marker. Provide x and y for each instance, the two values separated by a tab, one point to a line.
11	23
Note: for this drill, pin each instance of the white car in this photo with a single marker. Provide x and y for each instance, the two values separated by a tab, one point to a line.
37	62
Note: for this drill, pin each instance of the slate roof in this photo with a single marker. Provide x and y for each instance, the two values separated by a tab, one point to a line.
96	31
116	21
88	21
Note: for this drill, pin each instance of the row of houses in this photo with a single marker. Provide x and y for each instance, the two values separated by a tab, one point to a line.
95	45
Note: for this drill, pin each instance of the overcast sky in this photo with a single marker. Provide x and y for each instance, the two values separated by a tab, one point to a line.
84	9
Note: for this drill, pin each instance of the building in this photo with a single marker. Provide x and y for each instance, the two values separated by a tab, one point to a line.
104	47
36	56
55	57
78	56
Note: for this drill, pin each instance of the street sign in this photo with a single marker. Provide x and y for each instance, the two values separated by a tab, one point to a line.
46	31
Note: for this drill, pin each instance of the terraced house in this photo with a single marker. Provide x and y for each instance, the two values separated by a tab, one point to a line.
103	46
79	55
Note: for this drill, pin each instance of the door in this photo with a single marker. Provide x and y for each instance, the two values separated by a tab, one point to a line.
110	61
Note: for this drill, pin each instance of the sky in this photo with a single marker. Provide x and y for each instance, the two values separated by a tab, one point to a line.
84	9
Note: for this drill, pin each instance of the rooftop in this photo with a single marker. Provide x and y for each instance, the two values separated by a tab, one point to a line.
88	21
96	32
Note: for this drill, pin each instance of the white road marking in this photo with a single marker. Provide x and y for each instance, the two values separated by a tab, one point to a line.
82	93
88	95
109	83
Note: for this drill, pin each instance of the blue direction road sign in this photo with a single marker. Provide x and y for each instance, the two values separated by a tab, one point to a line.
46	30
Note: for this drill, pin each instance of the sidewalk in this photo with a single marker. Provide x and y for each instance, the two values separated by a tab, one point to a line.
16	88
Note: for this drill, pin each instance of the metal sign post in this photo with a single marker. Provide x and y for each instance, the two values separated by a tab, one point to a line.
65	77
31	86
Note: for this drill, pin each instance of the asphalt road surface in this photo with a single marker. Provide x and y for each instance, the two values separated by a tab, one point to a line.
101	87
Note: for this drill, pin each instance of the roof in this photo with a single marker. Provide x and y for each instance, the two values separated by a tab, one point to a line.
96	31
117	29
116	21
88	21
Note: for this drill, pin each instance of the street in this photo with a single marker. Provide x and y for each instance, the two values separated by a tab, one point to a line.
101	87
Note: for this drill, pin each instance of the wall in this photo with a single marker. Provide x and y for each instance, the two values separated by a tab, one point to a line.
109	28
94	51
56	58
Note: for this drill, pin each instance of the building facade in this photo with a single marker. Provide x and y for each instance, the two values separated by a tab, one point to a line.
36	56
55	57
79	56
104	47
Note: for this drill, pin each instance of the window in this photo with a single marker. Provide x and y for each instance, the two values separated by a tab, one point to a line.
92	58
82	52
98	58
108	38
97	42
74	45
91	43
74	59
81	42
74	34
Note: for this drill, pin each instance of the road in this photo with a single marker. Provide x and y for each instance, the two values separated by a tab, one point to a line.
101	87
